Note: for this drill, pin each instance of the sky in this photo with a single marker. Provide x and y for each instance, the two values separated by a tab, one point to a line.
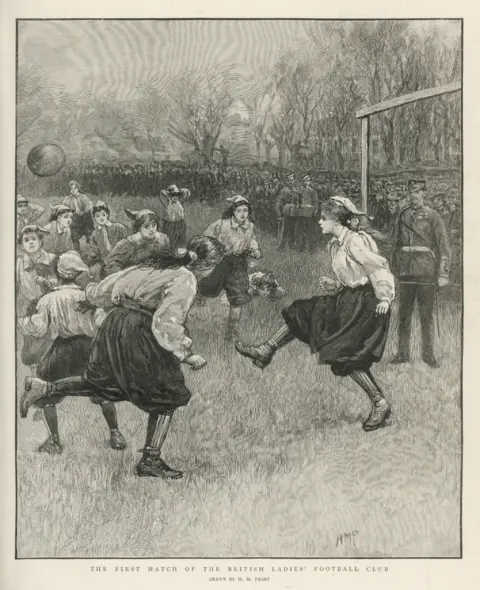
117	56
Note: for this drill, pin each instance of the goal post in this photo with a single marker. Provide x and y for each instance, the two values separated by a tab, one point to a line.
365	113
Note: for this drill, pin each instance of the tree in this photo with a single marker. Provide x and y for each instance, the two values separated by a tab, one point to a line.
34	97
152	112
201	104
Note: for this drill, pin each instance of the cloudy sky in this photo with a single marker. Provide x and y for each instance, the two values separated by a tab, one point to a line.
117	56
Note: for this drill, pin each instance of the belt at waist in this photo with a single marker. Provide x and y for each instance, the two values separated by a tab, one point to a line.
131	304
306	211
418	249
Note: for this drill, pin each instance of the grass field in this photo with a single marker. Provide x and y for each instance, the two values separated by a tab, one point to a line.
277	464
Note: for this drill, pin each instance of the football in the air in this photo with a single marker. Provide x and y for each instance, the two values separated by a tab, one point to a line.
46	159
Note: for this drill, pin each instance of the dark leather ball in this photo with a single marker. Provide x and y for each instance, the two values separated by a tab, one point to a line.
46	159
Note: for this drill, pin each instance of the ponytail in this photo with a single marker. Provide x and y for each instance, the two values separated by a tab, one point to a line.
163	259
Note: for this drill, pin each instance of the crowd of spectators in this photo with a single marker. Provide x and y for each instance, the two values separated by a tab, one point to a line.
261	184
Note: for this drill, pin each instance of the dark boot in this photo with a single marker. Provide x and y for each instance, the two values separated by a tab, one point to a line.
151	464
431	361
381	410
263	354
52	446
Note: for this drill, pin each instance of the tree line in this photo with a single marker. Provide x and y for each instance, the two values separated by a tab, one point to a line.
300	111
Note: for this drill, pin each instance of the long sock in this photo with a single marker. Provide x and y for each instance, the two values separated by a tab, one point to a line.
374	381
51	419
234	318
368	385
281	337
158	434
110	414
151	425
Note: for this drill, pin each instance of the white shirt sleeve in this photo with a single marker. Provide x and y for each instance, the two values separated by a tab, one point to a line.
362	248
213	230
169	318
37	324
100	294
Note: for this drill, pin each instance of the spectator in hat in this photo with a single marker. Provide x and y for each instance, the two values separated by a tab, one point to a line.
380	211
27	213
421	262
393	200
404	200
72	331
287	208
145	241
174	225
235	231
438	203
81	206
308	207
104	238
59	238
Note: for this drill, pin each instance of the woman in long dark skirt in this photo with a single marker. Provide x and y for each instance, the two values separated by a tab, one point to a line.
347	328
139	349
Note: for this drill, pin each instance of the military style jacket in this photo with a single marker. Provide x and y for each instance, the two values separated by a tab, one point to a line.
308	203
422	248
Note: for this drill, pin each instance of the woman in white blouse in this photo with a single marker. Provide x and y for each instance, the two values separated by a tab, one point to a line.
142	342
348	327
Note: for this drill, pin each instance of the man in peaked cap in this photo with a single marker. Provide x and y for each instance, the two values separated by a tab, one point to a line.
421	263
287	209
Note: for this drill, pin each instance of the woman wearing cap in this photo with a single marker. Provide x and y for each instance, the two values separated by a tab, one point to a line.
348	327
35	276
27	213
59	239
235	231
142	343
81	206
57	318
104	238
174	225
145	241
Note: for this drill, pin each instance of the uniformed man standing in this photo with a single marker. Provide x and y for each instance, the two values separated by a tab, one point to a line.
287	208
421	263
308	207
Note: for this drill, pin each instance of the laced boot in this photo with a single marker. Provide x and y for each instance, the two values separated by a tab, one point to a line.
263	354
381	410
151	464
34	390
